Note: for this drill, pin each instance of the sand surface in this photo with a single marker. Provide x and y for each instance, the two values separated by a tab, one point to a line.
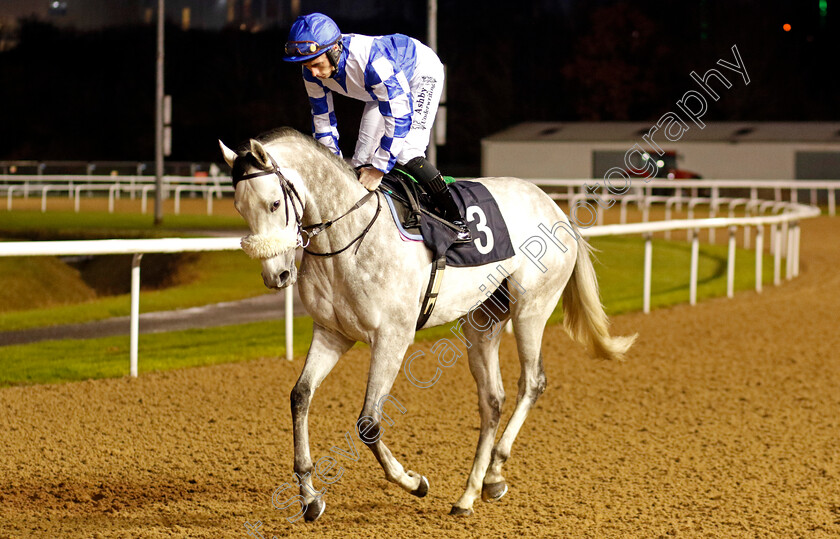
724	422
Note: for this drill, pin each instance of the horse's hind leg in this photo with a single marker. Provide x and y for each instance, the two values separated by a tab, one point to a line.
386	357
324	352
484	365
529	325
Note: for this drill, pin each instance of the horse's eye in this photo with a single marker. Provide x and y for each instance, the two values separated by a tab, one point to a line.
275	206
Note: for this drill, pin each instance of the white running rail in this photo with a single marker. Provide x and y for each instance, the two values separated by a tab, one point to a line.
783	223
136	248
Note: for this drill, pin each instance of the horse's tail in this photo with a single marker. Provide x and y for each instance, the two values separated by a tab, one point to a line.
585	319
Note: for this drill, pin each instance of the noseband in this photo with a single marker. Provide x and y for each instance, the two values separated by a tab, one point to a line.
290	195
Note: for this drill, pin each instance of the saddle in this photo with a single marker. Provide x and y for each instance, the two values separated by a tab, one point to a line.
417	219
413	200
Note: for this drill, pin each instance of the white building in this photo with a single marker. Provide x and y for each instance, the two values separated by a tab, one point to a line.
720	150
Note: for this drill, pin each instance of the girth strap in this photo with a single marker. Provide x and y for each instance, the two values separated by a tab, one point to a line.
432	290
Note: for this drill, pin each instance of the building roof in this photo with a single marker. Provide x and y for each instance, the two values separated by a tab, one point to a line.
633	131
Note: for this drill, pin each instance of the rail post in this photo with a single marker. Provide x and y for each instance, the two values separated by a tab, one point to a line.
289	323
648	270
730	264
695	258
776	231
135	313
759	257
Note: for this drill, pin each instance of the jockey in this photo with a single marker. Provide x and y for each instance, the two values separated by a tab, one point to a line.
399	79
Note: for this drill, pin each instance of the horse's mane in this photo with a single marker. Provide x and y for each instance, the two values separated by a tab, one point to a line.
282	134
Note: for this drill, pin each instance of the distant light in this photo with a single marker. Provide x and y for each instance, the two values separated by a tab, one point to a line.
58	7
671	176
645	156
786	27
660	163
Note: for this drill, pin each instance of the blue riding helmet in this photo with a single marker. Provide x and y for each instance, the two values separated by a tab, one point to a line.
311	36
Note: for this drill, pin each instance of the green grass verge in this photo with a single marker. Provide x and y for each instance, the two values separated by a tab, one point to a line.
219	276
619	266
67	361
39	281
619	263
59	296
71	225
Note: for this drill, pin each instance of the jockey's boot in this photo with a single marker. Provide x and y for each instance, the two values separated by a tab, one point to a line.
426	173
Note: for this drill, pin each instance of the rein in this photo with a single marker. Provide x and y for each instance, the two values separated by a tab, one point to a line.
320	227
290	194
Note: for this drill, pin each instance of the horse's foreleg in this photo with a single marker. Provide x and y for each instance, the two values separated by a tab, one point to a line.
324	352
386	358
529	331
484	365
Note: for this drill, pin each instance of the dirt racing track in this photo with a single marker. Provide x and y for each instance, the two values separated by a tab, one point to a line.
724	422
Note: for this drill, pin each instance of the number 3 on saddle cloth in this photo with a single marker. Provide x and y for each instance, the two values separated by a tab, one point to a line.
416	220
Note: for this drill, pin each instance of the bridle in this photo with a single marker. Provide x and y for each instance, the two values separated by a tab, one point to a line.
290	195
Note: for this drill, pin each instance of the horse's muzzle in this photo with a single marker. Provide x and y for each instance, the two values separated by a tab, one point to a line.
280	279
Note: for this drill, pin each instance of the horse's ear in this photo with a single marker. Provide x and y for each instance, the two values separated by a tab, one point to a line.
260	154
230	155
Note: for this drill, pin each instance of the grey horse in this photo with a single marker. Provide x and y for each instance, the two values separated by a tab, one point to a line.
372	287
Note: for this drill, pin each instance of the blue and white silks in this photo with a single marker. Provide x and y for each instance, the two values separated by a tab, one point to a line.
401	81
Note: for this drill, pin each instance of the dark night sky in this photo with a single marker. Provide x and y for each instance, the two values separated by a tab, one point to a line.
85	94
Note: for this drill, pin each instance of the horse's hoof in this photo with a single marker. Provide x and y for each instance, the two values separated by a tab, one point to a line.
493	492
314	510
422	489
458	512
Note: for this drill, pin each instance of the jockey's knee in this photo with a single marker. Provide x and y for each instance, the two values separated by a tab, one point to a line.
422	170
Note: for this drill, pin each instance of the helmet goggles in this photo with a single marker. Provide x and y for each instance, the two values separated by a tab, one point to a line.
305	48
